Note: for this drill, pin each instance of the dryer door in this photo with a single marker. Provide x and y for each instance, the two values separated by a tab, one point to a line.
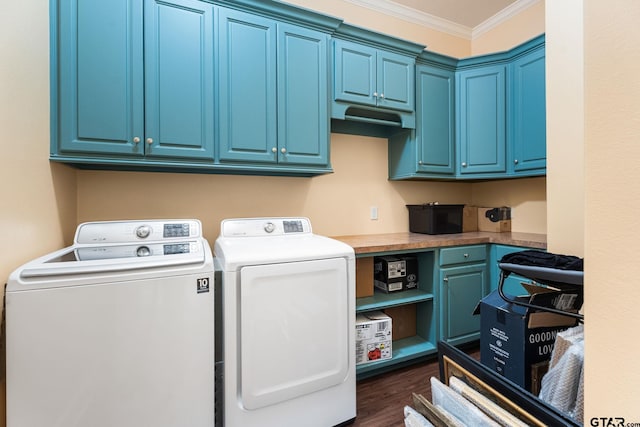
294	330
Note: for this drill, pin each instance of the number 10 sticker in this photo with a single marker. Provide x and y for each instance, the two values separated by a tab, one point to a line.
202	285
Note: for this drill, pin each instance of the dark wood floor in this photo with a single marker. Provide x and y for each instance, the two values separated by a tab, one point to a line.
381	399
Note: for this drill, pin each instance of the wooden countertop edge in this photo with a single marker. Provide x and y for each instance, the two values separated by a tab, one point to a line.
389	242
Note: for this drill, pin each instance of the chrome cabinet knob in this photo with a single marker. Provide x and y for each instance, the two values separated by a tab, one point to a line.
283	150
515	161
466	255
446	279
149	141
464	164
136	139
420	162
382	95
274	150
375	94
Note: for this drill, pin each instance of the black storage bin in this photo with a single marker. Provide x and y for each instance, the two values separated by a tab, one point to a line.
435	219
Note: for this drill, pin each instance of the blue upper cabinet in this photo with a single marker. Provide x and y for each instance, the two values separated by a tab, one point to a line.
481	120
179	92
528	113
499	126
303	96
247	73
191	85
274	96
98	76
430	149
395	77
373	77
435	130
355	75
112	100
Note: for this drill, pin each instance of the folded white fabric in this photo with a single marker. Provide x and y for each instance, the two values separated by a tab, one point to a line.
491	409
413	418
463	410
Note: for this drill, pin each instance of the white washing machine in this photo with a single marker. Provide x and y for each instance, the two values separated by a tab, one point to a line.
288	302
115	330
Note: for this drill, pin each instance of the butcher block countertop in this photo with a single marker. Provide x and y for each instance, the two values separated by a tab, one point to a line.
375	243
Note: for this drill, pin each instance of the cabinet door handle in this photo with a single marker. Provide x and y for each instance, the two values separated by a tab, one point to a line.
283	150
382	95
274	150
149	141
446	279
420	162
515	161
375	94
464	164
136	139
466	255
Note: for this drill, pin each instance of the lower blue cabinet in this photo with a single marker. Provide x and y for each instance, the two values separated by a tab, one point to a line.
462	284
461	288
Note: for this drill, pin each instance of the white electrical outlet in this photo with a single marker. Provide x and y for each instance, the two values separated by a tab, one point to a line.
373	212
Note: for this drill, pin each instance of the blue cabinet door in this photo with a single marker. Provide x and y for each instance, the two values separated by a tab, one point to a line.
395	77
247	87
116	101
373	77
528	121
481	120
435	120
303	96
355	73
98	104
179	93
461	288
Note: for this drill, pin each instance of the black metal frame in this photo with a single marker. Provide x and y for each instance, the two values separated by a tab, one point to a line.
551	276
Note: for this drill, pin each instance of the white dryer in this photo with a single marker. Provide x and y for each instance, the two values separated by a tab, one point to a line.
288	310
116	330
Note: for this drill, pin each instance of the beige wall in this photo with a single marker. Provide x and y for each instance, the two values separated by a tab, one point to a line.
337	203
38	210
565	126
611	156
524	26
38	200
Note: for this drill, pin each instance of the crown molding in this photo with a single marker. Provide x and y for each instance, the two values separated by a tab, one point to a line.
504	15
408	14
391	8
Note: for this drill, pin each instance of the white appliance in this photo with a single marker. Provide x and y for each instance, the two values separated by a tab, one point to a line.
288	302
115	330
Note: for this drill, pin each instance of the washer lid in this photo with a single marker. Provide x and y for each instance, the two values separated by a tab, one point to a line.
113	260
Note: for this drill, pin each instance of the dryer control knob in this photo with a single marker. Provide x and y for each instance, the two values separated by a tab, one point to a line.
269	227
143	231
143	251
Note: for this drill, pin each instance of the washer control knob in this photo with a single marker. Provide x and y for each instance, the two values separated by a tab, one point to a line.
269	227
143	251
143	231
